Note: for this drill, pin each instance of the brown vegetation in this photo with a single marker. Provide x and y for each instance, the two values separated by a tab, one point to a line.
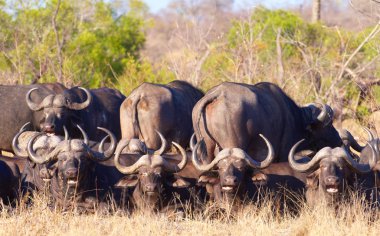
352	218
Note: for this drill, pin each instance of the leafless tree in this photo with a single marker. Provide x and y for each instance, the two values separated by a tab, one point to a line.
316	11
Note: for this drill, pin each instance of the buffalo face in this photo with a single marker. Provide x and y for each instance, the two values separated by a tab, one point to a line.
330	169
53	120
148	174
148	181
58	111
231	172
73	165
229	176
71	162
332	174
232	165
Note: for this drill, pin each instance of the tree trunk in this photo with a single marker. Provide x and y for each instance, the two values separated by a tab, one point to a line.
316	8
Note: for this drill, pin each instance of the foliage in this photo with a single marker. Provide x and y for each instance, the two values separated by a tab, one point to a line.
101	43
312	56
95	41
138	72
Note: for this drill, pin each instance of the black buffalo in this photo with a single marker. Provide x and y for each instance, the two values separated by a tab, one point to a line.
153	178
164	108
370	182
241	124
79	106
15	112
330	172
10	178
71	170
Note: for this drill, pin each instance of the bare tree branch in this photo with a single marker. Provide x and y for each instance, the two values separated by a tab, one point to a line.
280	65
369	37
200	62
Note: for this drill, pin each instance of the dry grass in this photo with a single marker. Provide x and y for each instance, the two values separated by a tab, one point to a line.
352	219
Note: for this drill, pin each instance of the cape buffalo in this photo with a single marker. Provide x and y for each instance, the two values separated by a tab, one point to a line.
79	106
330	172
229	181
165	108
370	182
152	178
10	178
15	112
236	121
72	171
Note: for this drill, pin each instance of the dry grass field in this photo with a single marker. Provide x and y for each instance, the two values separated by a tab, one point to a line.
352	218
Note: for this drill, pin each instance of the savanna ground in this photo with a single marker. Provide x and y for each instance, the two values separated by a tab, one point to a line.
353	218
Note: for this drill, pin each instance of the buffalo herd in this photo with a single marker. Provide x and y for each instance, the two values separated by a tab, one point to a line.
167	147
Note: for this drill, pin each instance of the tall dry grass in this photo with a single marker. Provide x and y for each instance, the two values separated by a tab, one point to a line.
352	218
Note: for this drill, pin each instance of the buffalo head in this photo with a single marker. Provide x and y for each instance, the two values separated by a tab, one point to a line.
319	123
149	173
57	110
330	170
72	161
232	165
43	145
365	151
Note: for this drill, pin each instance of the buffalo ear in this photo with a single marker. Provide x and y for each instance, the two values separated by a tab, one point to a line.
312	180
259	178
377	166
210	177
127	181
177	182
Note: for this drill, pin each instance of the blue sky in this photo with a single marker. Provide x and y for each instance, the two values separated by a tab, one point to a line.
157	5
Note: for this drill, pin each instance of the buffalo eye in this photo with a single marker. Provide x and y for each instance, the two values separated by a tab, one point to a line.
239	164
157	171
222	164
144	174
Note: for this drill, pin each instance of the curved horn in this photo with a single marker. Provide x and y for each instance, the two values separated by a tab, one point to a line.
193	141
32	105
161	150
178	167
349	140
206	167
101	145
16	149
322	115
39	159
311	165
370	134
104	155
85	137
253	163
127	169
120	146
66	133
356	166
83	105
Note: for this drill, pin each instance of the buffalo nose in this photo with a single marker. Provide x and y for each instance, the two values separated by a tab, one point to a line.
230	180
49	127
44	173
71	173
150	187
332	180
